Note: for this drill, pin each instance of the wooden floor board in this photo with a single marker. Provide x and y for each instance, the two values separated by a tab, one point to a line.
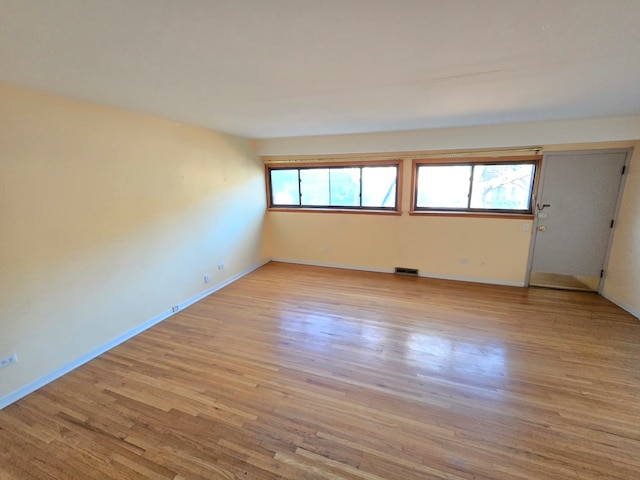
308	372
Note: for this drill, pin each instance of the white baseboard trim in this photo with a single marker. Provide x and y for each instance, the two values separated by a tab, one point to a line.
391	270
59	372
221	285
625	306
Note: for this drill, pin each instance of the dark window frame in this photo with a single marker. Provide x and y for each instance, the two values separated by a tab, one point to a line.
534	160
396	210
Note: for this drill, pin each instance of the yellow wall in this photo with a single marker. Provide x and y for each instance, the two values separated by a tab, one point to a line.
496	249
564	134
623	272
108	219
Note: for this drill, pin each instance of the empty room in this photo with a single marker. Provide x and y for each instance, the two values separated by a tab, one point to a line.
337	239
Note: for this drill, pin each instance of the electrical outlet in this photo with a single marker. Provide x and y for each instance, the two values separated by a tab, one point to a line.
207	278
10	360
175	308
464	261
221	266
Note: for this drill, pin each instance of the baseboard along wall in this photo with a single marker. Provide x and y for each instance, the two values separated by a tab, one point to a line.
59	372
391	270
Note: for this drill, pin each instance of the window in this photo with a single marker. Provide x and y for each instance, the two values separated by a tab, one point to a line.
334	187
476	186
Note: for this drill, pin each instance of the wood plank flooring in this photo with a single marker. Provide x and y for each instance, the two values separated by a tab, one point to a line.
302	372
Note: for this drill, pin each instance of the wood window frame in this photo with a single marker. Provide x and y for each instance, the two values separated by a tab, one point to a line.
397	163
536	160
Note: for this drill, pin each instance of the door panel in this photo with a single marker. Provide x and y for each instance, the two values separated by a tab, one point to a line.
575	209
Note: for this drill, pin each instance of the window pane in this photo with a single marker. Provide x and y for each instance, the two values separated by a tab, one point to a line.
379	186
443	186
338	186
345	187
314	186
502	187
285	187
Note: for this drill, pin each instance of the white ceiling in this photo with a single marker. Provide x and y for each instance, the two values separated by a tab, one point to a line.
273	68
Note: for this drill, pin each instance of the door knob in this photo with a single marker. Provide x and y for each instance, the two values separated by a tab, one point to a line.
542	228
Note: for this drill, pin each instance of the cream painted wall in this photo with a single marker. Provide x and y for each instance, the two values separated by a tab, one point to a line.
109	218
497	249
561	133
622	281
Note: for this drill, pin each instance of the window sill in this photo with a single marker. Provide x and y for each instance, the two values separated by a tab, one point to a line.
335	210
514	216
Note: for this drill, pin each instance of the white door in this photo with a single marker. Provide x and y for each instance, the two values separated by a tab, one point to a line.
575	210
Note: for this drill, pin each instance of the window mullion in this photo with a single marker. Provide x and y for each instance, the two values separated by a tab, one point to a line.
299	189
470	187
360	192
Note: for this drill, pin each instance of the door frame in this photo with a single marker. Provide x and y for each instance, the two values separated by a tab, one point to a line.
540	188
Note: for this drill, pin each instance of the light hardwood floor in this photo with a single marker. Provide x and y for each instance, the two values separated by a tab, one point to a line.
305	372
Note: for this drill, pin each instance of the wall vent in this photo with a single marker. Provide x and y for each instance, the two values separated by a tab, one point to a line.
407	271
